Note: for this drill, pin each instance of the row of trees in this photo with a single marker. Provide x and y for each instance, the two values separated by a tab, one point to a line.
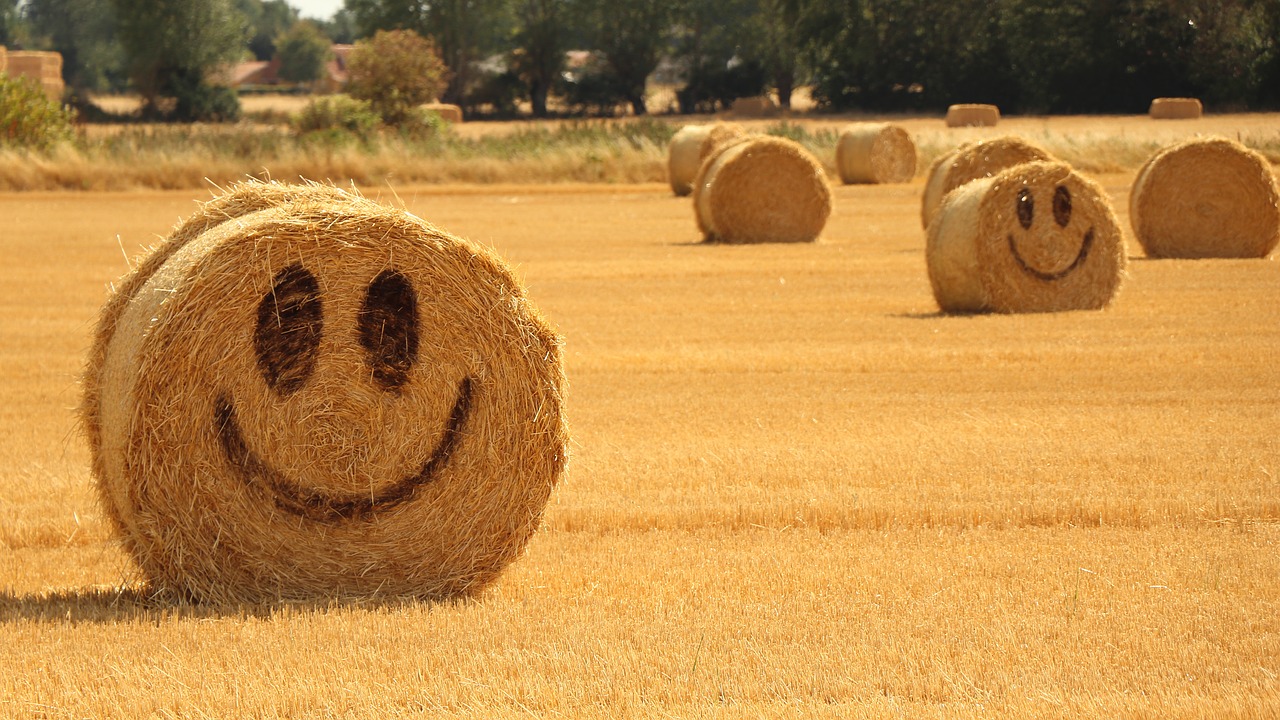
1024	55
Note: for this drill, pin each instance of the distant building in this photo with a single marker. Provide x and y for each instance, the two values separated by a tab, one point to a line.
266	73
43	67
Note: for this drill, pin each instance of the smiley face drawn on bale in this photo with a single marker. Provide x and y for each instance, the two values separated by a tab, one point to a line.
286	342
1049	244
1037	237
327	399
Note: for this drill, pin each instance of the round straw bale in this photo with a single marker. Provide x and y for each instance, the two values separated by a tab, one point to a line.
971	161
447	112
1037	237
324	398
875	153
760	106
761	189
1206	198
691	146
1176	109
239	199
972	115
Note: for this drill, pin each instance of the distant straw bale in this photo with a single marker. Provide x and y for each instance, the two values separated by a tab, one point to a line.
43	67
323	398
447	112
1206	198
752	107
761	189
690	146
1176	109
1037	237
971	161
972	115
875	153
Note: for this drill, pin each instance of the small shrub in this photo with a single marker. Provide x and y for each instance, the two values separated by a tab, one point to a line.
337	113
422	124
28	118
396	70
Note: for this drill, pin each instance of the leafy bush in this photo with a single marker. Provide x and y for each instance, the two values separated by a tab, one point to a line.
396	70
340	113
28	118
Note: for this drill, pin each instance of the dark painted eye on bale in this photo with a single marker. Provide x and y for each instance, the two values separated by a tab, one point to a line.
1026	208
290	323
1062	206
388	328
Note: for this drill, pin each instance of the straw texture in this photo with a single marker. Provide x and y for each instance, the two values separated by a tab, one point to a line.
323	398
972	115
875	153
971	161
761	189
1176	109
1206	198
690	147
1037	237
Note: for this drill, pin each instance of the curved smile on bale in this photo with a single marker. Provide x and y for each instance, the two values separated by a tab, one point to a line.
1051	276
323	507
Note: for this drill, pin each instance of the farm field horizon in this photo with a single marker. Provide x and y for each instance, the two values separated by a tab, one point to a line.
796	489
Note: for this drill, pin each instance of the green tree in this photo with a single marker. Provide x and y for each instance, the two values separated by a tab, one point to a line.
267	20
341	28
12	29
84	33
173	47
715	44
395	71
303	51
464	31
633	36
540	44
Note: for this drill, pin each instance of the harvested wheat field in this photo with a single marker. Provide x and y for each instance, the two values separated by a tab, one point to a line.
795	489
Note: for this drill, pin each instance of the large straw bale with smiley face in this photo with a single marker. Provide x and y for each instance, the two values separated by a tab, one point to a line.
875	153
1038	237
690	146
973	160
760	189
325	398
1206	198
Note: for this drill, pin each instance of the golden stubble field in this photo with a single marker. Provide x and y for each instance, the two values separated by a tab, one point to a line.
796	490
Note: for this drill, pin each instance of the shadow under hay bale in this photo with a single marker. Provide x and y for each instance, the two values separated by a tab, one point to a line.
690	147
761	189
875	153
972	115
971	161
1206	198
1175	109
1035	238
322	397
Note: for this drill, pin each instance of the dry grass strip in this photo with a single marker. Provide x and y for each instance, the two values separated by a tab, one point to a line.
322	398
875	153
1206	198
1037	237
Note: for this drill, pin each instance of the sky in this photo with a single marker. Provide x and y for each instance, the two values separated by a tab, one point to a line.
318	9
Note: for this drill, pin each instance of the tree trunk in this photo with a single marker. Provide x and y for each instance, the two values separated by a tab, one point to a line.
538	98
784	83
